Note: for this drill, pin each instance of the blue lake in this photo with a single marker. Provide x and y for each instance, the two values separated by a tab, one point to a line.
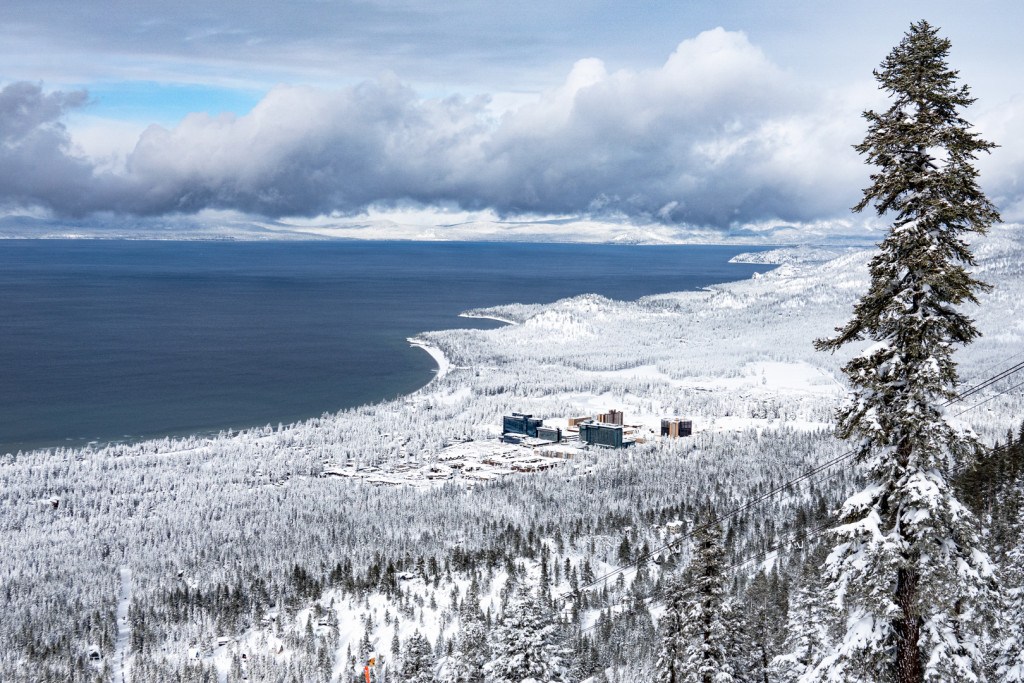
123	340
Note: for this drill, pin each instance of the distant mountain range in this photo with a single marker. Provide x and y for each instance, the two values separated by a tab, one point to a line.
558	229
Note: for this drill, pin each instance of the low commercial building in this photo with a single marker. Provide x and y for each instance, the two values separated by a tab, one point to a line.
553	434
561	451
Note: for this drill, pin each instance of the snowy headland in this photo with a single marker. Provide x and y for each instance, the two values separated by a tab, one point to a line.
442	362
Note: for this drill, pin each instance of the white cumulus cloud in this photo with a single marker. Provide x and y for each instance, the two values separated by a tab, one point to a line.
716	136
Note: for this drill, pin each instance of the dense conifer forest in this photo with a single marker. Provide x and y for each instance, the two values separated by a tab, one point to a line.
235	558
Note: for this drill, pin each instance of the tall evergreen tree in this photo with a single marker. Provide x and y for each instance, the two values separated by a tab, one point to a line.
525	645
466	665
1009	664
417	662
764	608
808	638
701	647
667	665
907	566
743	653
1009	648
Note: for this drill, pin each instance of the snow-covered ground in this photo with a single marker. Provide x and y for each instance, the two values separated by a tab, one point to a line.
239	514
122	663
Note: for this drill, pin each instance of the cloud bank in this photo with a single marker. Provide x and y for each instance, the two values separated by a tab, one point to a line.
717	136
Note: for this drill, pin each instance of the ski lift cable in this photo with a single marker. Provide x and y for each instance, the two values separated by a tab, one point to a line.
986	368
796	537
813	532
970	391
802	535
788	484
991	398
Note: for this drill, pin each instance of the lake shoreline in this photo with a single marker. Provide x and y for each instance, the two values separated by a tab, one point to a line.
183	339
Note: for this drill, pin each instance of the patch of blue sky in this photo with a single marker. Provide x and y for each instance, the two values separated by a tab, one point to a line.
163	103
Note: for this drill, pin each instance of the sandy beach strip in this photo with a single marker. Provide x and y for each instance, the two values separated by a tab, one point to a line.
488	317
443	364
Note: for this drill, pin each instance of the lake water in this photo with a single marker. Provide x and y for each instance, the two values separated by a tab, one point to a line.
115	340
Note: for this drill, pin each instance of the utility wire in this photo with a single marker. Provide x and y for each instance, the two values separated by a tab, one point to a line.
984	369
970	391
734	567
990	398
803	535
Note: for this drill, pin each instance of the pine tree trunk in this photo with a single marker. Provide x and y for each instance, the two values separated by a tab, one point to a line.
908	629
907	625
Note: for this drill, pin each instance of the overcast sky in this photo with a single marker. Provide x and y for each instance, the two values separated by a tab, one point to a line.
690	113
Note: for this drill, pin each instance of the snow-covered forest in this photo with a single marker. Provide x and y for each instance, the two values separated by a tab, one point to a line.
234	558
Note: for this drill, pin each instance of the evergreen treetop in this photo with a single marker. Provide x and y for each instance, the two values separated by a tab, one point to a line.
923	149
526	645
698	627
907	567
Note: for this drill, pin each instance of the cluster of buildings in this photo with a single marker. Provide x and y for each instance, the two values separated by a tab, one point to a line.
606	429
526	445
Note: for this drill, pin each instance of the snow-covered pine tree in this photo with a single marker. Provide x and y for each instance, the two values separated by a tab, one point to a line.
704	635
764	610
907	566
743	654
808	638
417	662
525	644
1009	664
670	628
466	665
